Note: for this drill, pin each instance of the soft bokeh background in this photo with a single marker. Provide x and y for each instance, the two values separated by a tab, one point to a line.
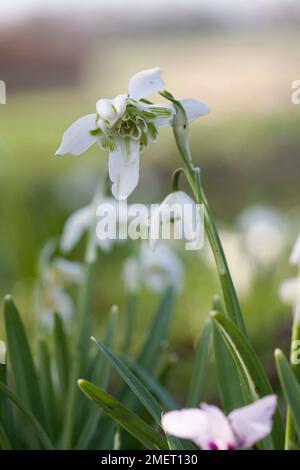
240	57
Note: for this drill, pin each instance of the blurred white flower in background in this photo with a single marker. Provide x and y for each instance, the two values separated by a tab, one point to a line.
157	269
289	290
258	239
240	265
210	429
2	352
124	126
56	275
264	231
289	293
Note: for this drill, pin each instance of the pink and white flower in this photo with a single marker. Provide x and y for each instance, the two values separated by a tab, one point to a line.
210	429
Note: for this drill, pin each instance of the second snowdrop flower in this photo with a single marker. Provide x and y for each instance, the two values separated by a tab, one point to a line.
186	217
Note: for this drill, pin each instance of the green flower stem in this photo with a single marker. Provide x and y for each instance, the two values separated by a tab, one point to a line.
180	128
290	432
82	335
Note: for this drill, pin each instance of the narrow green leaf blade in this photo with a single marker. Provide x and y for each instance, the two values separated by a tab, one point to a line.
44	439
157	331
61	354
196	386
252	373
100	375
124	417
152	384
290	386
141	392
19	354
231	391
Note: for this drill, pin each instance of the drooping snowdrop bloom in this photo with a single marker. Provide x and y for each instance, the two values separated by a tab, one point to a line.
2	352
80	222
295	255
263	231
179	211
157	269
124	126
210	429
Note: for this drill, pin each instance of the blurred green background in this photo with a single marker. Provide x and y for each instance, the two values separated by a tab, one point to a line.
57	64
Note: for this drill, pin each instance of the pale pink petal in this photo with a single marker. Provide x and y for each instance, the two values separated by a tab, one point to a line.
253	422
186	424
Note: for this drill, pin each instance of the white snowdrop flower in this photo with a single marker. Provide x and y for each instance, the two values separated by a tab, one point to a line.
295	255
80	222
264	234
289	293
157	269
179	211
124	126
2	352
210	429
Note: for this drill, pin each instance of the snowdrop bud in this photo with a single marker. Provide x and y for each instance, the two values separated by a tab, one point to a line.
295	255
2	352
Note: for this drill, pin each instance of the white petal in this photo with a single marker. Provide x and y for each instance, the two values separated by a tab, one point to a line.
77	223
253	422
124	169
2	352
112	110
186	424
219	434
194	108
295	255
145	83
77	138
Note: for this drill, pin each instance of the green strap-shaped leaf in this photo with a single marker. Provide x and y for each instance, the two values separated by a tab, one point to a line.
152	384
290	386
157	331
254	378
124	417
4	441
196	387
136	386
61	354
231	391
47	387
20	357
100	375
44	439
